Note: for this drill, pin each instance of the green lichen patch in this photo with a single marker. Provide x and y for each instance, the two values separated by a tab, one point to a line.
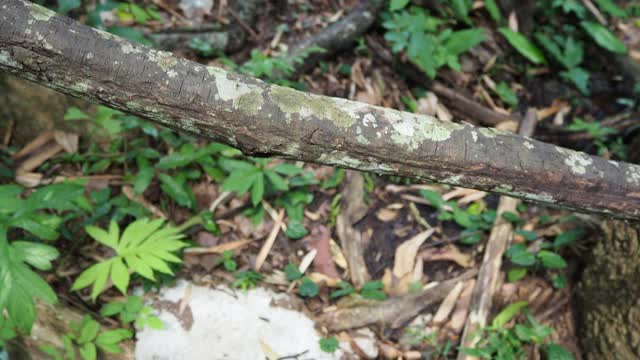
41	13
632	174
291	102
81	87
6	59
164	59
412	130
250	103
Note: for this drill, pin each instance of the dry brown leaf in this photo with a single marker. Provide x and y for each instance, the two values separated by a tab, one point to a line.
406	253
386	214
218	249
508	125
68	141
513	21
29	179
337	255
448	253
34	144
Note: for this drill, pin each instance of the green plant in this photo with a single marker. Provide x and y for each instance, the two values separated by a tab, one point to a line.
202	47
86	338
371	290
143	247
329	345
292	272
474	219
500	342
132	12
416	336
227	261
569	53
601	136
6	330
426	44
19	284
547	257
308	288
525	47
133	309
246	280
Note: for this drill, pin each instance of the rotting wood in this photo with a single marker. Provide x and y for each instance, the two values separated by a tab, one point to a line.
263	119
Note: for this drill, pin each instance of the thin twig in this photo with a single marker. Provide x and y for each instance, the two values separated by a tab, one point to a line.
268	244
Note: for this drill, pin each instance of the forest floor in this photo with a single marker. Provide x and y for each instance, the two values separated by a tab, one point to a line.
339	239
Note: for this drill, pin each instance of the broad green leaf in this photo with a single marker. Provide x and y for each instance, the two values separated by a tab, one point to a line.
276	181
557	352
113	336
579	77
603	37
38	225
395	5
516	274
296	230
241	181
519	255
21	309
287	169
523	46
144	176
493	10
112	308
507	314
88	351
308	288
568	237
551	259
611	8
506	94
88	330
463	40
37	255
101	278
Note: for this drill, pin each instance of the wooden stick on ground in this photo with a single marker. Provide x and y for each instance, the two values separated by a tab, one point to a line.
499	239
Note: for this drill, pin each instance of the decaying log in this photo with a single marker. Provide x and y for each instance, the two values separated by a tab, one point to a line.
263	119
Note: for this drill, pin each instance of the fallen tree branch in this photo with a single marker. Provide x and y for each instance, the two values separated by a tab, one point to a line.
488	276
262	119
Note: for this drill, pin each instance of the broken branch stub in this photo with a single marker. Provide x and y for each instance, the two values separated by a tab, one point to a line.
259	118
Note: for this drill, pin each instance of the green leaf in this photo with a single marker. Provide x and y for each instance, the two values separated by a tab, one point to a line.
507	314
145	246
461	10
557	352
88	351
463	40
35	224
611	8
112	308
433	197
603	37
296	230
276	181
241	181
120	276
579	77
21	309
73	113
523	46
257	189
551	260
329	345
37	255
519	255
506	94
527	235
372	290
113	336
493	10
568	237
559	282
344	289
395	5
516	274
88	330
175	189
292	272
308	288
144	176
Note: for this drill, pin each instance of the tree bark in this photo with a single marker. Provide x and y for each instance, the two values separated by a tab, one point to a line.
608	295
263	119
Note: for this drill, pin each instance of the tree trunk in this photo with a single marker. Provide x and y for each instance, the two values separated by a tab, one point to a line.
261	119
608	295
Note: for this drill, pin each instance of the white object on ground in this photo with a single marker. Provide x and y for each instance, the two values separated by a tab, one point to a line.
228	324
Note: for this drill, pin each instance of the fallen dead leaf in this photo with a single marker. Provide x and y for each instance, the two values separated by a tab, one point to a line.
446	307
448	253
406	253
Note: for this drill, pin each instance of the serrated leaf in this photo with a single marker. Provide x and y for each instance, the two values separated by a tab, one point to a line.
603	37
523	46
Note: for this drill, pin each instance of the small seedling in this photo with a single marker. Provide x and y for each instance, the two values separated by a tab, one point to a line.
329	345
227	261
246	280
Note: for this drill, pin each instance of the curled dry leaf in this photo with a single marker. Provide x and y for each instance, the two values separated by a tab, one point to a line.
406	253
320	241
448	253
459	316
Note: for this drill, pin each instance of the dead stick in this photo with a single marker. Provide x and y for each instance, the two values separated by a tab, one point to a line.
395	311
499	239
